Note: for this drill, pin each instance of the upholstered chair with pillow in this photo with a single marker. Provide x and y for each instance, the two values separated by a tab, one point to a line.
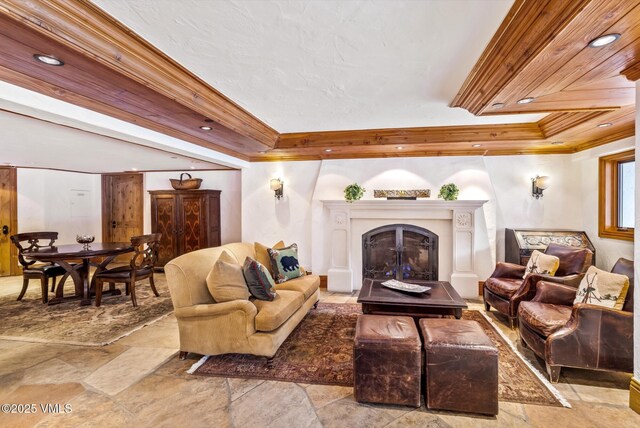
510	284
558	327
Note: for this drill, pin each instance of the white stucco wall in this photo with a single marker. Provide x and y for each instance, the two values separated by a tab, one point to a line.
607	250
570	202
268	220
59	201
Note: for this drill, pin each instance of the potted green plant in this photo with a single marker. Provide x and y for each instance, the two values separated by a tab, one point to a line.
353	192
449	192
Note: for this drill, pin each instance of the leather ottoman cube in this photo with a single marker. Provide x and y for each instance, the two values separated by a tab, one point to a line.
386	360
461	367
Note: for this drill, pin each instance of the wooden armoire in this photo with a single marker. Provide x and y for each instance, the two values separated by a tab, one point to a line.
188	220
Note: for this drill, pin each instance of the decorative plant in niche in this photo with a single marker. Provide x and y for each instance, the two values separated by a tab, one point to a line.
353	192
449	192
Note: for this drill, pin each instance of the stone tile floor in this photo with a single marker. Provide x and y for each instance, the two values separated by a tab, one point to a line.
139	381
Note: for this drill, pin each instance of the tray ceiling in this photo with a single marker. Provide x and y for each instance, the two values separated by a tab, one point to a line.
287	80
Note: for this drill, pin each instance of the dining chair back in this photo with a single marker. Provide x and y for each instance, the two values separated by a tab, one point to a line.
145	255
31	242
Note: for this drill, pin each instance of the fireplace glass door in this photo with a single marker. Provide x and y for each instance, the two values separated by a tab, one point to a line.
400	251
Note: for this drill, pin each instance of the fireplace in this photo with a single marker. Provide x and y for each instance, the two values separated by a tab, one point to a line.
400	251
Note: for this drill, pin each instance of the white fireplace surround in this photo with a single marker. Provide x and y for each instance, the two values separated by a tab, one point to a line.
343	275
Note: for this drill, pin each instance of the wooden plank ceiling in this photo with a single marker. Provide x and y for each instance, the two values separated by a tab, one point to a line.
540	51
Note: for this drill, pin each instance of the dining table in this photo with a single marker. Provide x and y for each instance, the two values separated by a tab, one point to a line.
66	255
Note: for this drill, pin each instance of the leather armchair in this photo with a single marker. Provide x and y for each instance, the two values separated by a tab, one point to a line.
505	288
581	335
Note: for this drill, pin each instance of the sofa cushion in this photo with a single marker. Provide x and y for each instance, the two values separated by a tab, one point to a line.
306	285
544	318
544	264
226	280
273	314
258	279
262	254
503	287
602	288
284	263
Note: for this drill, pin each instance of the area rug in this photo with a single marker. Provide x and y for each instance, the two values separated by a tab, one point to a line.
30	320
320	351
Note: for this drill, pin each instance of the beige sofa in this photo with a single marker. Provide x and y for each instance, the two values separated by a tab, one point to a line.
240	326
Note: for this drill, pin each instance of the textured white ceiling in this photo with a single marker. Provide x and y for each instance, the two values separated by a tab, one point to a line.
327	64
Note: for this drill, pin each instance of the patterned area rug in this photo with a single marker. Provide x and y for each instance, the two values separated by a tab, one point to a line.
32	321
320	351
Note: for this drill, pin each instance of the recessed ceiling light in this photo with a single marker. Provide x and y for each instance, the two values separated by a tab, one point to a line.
601	41
399	147
328	150
605	125
557	143
526	100
497	105
48	59
206	128
262	152
134	169
476	145
192	167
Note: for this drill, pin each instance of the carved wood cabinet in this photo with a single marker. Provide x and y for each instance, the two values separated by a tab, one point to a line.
520	243
188	220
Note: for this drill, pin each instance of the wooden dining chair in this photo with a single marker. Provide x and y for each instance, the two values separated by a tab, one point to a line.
140	268
31	241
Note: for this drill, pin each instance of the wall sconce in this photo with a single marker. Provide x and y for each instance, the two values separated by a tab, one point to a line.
276	185
539	184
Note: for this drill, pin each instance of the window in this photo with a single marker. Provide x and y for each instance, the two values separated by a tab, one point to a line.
617	196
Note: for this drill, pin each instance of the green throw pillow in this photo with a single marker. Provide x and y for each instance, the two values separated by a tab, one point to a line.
258	279
284	263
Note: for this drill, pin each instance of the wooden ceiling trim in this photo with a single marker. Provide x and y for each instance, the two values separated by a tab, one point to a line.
588	129
557	123
626	132
568	59
529	27
632	72
411	136
83	27
54	91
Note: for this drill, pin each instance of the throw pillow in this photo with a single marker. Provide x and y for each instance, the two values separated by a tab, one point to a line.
284	263
262	254
602	288
259	281
542	263
226	281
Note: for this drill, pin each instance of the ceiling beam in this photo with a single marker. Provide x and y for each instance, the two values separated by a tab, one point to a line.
81	26
632	72
411	136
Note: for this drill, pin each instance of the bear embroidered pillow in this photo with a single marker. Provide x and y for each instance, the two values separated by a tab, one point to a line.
542	263
284	263
602	288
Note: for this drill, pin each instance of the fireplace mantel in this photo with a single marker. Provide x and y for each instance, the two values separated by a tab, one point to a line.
460	213
400	204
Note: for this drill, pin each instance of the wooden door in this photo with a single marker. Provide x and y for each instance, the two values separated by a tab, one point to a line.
122	208
8	221
192	223
163	220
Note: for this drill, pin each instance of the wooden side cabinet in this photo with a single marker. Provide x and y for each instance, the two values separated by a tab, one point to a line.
188	220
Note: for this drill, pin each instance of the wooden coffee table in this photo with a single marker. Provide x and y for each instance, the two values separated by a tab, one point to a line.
442	299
